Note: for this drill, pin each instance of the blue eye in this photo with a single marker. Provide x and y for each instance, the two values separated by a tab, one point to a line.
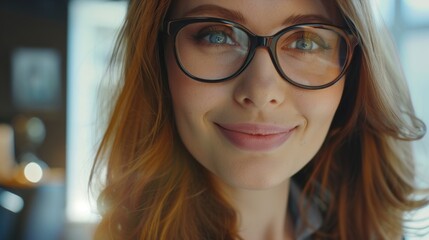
217	38
305	44
216	35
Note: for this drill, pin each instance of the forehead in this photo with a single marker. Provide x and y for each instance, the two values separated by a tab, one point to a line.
256	13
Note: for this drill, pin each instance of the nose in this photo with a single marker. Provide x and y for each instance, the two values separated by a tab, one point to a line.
260	86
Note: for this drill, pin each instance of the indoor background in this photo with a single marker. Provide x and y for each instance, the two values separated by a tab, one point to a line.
53	65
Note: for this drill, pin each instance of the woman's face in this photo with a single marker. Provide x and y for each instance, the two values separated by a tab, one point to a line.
256	130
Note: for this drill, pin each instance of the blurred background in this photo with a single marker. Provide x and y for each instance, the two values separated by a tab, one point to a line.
53	61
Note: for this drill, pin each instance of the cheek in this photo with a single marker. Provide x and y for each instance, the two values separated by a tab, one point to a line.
193	102
192	98
189	97
183	92
319	107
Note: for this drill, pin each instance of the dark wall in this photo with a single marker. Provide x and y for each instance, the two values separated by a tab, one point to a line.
35	24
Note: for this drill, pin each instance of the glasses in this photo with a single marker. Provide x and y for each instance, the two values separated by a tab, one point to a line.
309	55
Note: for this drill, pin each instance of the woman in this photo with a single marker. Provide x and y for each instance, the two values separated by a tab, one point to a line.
220	132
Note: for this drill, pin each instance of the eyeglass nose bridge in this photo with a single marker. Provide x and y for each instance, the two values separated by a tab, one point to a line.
263	41
267	42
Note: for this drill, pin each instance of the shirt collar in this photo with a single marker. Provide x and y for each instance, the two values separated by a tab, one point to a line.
305	222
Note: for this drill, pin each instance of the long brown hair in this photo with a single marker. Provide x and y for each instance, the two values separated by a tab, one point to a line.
366	161
154	189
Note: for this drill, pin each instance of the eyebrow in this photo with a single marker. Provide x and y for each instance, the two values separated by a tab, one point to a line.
219	11
307	18
238	17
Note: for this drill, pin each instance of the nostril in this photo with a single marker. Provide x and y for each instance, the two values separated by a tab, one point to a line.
247	101
273	101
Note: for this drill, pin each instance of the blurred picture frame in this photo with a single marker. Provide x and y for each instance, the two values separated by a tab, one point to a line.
36	79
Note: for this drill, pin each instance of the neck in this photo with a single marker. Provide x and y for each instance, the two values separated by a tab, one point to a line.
262	213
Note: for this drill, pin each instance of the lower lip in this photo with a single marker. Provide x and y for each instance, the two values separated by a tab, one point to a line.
258	143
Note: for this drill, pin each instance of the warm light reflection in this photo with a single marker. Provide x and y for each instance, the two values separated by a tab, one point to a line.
33	172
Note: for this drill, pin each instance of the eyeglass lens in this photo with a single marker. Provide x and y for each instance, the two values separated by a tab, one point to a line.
307	55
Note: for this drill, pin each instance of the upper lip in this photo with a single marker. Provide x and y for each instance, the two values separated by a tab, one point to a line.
256	128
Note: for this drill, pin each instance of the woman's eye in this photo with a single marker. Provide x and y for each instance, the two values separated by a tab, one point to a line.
304	44
215	37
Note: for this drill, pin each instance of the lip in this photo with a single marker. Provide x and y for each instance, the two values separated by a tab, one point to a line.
256	137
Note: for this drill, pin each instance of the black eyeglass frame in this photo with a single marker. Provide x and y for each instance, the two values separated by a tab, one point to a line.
172	28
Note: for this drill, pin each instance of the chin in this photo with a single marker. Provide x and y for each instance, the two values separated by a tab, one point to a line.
254	179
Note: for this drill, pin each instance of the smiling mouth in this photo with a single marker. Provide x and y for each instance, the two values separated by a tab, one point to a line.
256	137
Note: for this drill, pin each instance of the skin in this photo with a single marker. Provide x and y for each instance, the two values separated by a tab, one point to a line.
256	181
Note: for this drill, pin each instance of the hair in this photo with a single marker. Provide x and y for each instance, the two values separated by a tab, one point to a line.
154	189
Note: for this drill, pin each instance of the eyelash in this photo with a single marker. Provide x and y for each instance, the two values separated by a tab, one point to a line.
308	36
204	32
